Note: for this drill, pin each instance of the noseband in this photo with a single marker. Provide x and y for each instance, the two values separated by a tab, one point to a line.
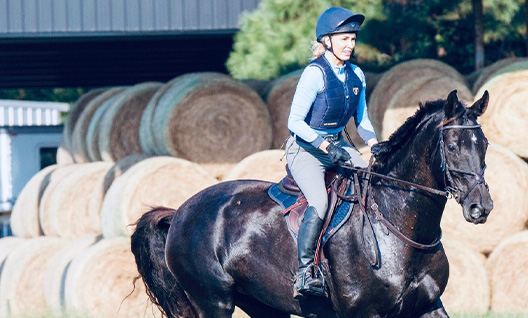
451	188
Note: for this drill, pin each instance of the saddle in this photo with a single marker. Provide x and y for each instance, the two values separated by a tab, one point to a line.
336	185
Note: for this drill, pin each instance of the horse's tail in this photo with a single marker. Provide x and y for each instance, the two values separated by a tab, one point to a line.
148	247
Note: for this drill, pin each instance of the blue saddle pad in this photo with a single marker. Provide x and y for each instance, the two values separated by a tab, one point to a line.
341	214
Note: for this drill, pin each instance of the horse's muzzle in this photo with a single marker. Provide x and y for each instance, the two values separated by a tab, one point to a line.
477	213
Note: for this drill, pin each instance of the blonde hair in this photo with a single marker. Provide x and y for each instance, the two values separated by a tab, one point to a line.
318	48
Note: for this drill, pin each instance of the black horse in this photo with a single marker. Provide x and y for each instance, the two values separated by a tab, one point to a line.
229	245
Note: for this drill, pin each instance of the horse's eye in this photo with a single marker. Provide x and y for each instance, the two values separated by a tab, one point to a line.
451	147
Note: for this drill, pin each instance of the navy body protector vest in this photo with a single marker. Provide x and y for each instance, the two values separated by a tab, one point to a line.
337	103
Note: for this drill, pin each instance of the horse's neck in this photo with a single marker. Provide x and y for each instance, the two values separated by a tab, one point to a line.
416	213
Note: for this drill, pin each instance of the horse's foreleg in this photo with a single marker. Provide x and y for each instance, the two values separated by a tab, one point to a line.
437	311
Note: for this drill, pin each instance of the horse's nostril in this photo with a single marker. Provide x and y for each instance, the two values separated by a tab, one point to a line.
476	210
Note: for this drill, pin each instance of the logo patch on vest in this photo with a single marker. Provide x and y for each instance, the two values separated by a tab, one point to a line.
355	90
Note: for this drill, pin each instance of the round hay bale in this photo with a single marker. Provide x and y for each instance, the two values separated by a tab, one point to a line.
507	177
25	215
392	80
78	137
265	165
262	87
63	156
468	289
405	101
72	117
7	244
118	133
100	282
507	114
218	170
94	128
147	125
64	208
371	79
97	197
211	118
57	267
490	70
507	271
155	181
279	101
22	284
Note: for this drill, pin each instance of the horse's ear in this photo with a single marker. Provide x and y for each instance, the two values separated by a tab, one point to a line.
451	104
480	106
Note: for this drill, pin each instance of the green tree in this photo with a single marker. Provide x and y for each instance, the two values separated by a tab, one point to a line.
275	38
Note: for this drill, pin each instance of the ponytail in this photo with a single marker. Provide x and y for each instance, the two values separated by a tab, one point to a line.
318	48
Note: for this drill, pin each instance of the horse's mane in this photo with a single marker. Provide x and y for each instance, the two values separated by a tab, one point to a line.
407	130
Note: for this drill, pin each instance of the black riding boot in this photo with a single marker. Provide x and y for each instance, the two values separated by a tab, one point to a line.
306	280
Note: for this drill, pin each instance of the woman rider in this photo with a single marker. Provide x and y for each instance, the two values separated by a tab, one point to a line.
330	91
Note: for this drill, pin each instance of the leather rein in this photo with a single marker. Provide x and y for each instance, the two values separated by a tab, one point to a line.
451	190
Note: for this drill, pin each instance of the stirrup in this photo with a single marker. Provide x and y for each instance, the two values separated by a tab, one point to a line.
317	273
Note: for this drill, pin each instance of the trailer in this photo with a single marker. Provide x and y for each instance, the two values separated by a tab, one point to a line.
30	133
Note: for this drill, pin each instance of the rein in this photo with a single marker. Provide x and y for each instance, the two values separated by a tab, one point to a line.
449	192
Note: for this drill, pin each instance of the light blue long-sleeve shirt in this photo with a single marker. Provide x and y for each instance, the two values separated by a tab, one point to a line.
310	84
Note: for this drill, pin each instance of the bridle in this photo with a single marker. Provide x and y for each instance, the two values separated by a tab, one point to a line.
451	188
451	191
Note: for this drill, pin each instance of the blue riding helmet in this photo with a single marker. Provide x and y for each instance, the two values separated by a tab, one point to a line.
337	20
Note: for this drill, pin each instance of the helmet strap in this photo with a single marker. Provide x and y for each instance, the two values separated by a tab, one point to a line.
331	49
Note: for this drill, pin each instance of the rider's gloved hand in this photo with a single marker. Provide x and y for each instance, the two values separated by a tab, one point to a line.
337	154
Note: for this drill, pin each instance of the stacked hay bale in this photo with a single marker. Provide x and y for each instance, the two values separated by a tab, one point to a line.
133	183
80	131
206	117
279	101
264	165
21	284
106	180
507	271
25	215
404	85
489	71
57	267
468	289
505	119
64	153
101	281
118	131
405	101
155	181
65	205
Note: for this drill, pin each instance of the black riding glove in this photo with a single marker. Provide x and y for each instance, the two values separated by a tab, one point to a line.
337	154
